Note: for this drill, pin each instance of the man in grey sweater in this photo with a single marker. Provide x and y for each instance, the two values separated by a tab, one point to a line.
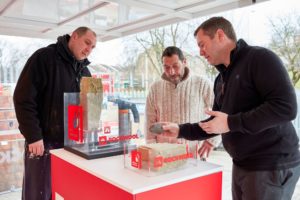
180	98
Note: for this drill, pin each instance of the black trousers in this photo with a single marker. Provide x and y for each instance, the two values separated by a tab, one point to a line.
37	174
264	185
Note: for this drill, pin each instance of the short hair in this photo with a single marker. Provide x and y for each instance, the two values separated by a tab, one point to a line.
211	26
82	30
172	50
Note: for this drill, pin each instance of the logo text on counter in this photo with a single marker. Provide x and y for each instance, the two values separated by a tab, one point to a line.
103	140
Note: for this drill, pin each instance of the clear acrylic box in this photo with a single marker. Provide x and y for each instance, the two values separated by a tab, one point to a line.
154	159
84	134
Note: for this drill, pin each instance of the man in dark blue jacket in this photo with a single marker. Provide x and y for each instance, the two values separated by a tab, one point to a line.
38	100
253	108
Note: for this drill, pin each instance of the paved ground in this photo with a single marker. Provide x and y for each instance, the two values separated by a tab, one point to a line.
11	196
222	158
218	157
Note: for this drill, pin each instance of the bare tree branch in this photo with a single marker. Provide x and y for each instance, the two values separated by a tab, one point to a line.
286	42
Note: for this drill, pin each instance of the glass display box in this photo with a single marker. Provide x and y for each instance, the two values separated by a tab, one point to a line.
152	159
91	133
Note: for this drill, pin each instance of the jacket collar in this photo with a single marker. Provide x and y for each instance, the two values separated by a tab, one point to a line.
234	55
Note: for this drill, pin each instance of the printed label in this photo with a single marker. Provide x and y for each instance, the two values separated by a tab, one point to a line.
102	140
75	123
107	129
136	160
159	160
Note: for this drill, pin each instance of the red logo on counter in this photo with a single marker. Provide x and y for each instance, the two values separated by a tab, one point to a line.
123	138
178	157
158	162
136	160
102	140
107	129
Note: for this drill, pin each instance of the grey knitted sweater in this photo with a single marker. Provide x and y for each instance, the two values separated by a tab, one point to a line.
181	103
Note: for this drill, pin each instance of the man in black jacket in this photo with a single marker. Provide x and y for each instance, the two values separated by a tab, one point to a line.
38	100
253	108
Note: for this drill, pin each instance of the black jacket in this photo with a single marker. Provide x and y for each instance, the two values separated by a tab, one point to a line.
256	93
39	93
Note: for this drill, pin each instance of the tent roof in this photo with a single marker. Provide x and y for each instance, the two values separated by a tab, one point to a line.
110	19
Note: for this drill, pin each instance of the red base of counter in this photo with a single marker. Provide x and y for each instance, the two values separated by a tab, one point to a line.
73	183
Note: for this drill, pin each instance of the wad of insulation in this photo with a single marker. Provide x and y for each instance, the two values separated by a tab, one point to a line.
163	157
91	97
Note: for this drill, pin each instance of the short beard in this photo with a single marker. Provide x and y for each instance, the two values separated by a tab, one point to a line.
176	81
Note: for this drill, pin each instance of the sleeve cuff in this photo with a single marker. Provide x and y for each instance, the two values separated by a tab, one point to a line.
181	131
234	122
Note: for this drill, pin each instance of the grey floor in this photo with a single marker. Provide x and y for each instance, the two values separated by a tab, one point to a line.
218	157
222	158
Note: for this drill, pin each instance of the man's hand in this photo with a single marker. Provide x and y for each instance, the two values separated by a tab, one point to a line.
170	129
37	148
217	125
205	149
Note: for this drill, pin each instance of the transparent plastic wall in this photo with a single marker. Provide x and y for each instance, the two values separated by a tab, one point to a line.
85	133
154	159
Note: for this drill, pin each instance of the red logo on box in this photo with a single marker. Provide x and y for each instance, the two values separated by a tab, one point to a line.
158	162
102	140
75	123
136	160
107	129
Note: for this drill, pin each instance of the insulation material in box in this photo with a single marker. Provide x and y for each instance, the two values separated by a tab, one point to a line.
91	97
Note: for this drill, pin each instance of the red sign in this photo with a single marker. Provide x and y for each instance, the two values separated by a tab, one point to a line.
107	129
105	76
178	157
102	140
158	162
75	123
123	138
136	159
107	82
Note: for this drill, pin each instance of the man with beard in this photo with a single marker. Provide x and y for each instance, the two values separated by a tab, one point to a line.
180	98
